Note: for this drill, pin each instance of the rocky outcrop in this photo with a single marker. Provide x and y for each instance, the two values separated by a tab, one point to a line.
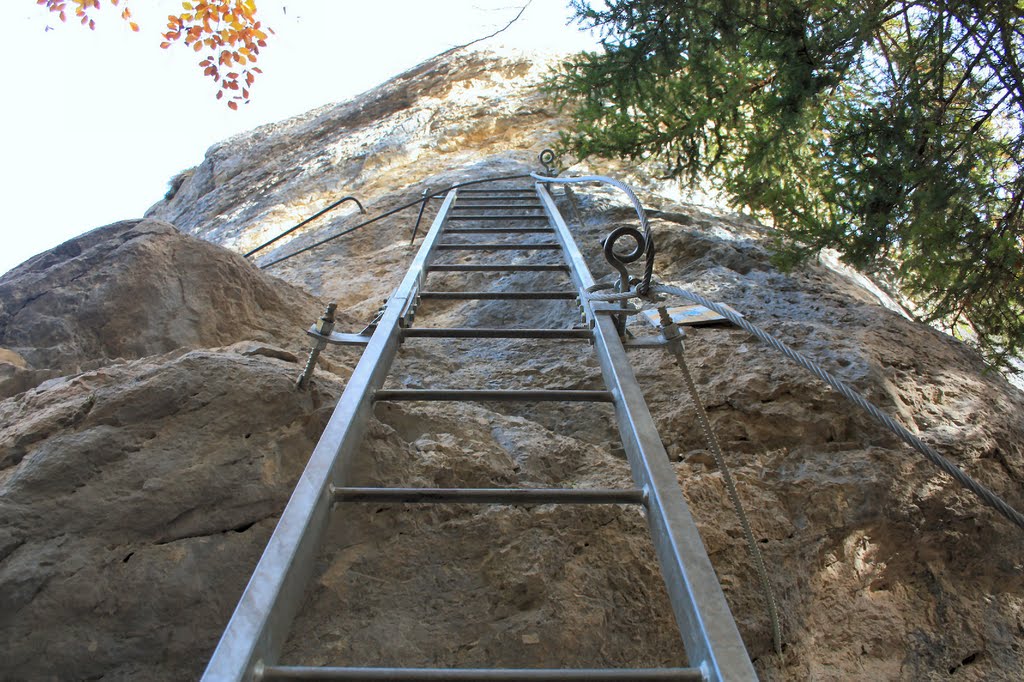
127	459
134	289
135	497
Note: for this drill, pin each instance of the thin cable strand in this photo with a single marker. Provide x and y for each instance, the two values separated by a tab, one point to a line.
986	495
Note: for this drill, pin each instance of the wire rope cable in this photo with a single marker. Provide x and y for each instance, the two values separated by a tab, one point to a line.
324	210
675	347
984	493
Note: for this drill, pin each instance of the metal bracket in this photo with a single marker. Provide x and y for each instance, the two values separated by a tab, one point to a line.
341	338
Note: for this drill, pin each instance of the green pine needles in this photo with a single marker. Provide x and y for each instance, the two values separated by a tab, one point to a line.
890	131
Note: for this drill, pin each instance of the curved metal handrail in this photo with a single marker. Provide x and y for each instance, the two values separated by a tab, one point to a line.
308	220
388	213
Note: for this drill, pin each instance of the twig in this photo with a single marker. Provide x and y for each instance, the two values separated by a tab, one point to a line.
500	30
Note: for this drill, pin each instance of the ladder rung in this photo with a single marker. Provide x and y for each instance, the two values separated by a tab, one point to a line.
498	295
517	207
293	672
496	230
501	247
481	190
490	495
435	394
493	333
509	267
497	217
496	197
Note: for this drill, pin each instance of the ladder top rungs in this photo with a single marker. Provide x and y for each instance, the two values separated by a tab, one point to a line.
281	672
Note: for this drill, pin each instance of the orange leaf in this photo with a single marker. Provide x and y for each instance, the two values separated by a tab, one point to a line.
233	105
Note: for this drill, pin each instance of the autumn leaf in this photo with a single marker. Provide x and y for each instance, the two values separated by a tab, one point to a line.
210	25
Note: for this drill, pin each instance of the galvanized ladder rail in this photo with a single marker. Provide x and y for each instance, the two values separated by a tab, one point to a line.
710	635
259	625
257	630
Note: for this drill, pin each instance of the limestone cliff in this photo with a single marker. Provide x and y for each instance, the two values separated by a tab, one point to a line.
152	432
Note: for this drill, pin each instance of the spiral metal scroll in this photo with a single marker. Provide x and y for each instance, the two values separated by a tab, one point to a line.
547	159
619	260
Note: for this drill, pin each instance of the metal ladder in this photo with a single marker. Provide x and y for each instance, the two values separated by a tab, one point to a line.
255	635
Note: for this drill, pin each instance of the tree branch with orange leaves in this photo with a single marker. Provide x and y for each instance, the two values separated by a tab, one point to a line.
226	34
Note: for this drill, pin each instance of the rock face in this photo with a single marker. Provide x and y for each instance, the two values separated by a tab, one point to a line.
134	498
136	495
134	289
448	115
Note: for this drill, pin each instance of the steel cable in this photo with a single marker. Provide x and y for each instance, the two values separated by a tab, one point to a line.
676	348
986	495
325	209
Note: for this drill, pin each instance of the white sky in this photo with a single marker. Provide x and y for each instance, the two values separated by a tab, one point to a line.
94	123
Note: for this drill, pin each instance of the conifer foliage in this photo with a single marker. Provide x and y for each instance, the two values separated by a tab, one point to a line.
891	131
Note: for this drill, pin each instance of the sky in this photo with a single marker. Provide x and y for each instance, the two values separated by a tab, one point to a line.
94	123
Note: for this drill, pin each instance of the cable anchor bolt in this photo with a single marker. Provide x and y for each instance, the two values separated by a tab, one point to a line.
324	326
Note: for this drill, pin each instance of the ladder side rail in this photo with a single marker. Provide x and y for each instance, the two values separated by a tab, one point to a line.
260	623
708	630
